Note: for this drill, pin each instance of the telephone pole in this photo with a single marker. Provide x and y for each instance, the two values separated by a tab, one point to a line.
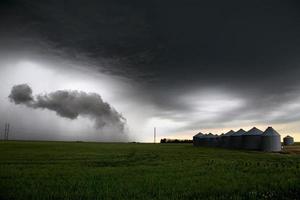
6	131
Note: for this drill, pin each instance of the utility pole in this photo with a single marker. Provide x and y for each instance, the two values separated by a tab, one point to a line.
6	131
8	127
154	135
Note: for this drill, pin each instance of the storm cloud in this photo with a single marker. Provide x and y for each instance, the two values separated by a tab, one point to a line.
21	94
188	65
71	105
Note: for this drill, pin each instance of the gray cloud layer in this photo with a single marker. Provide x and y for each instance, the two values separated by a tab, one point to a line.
71	104
174	49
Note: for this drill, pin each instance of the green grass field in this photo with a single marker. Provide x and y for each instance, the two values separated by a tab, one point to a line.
62	170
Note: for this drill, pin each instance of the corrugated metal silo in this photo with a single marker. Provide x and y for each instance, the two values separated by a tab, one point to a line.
205	140
197	139
212	140
208	139
219	140
270	140
226	139
236	139
216	140
288	140
251	140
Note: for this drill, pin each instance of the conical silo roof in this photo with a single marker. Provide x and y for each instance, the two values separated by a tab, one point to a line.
210	135
239	132
254	131
229	133
270	132
199	134
288	137
205	135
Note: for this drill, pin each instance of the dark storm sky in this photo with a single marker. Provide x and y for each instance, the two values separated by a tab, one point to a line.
178	52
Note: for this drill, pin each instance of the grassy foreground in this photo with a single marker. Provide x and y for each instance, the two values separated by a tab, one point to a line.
60	170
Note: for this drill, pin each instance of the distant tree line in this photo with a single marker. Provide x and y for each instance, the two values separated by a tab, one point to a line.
165	140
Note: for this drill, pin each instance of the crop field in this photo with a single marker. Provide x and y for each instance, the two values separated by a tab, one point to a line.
76	170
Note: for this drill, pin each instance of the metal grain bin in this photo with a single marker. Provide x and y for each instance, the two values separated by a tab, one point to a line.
236	139
205	140
288	140
270	140
222	140
208	139
212	140
197	139
219	140
226	139
251	140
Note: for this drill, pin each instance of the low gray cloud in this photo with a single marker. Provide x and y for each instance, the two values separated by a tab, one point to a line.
229	107
21	94
71	105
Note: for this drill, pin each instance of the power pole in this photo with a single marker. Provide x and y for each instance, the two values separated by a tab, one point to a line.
8	127
154	135
6	131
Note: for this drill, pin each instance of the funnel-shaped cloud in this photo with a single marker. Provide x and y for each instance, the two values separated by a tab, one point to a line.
71	104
